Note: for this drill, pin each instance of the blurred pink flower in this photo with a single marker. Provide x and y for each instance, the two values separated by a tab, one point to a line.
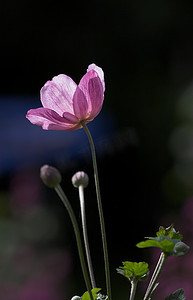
36	275
177	273
66	104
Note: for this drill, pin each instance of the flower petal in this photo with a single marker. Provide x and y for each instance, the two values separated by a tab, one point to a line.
69	118
96	95
80	104
58	94
92	87
99	72
63	128
49	119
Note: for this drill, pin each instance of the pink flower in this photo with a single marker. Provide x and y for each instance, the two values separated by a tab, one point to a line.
66	105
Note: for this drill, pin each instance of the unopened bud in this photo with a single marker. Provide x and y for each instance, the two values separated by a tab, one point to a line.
50	176
180	249
76	298
80	178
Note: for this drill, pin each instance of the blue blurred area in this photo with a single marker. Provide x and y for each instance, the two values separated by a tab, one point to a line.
25	144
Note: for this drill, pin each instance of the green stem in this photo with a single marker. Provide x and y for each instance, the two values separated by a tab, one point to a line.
133	290
155	272
66	203
155	276
85	235
100	209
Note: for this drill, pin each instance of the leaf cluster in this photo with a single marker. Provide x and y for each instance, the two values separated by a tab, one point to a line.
95	295
168	240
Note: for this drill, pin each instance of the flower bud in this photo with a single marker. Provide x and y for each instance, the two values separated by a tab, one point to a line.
50	176
180	249
80	178
76	298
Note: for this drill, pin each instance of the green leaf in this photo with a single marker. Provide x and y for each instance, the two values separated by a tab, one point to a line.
134	271
163	243
86	296
177	295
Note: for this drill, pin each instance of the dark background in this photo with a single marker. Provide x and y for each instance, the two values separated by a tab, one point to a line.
145	159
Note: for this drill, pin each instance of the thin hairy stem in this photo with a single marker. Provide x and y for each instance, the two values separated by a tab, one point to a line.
66	203
133	290
85	235
155	276
154	273
100	209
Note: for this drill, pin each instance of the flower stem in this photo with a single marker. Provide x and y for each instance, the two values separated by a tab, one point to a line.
155	276
85	235
133	290
154	273
66	203
100	209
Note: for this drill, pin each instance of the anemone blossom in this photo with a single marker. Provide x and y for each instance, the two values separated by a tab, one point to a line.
66	105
